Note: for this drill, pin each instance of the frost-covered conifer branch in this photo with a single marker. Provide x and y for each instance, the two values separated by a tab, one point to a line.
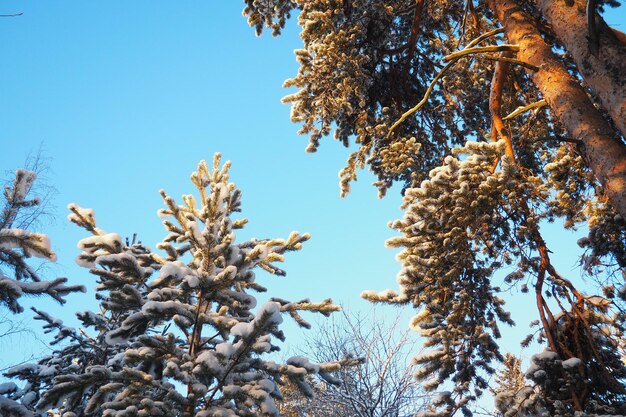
15	197
17	277
325	307
271	14
83	218
461	208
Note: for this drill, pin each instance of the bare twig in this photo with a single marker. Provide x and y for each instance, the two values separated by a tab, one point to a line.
439	75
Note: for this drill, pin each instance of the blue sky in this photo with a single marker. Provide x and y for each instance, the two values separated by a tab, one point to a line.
127	97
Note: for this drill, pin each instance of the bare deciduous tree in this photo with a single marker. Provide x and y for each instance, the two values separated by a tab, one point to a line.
382	386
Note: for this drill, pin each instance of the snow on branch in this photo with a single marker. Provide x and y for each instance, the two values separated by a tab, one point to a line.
179	334
17	245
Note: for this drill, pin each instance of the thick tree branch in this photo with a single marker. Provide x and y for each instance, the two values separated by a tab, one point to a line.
511	61
604	71
604	151
417	19
480	50
495	104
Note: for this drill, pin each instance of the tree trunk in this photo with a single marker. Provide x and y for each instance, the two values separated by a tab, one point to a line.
602	65
604	151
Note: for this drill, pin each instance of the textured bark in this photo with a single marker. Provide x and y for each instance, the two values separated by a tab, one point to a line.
621	36
603	71
415	27
604	151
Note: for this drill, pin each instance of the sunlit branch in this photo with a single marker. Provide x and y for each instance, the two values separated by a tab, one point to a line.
484	36
423	101
480	50
439	75
524	109
495	105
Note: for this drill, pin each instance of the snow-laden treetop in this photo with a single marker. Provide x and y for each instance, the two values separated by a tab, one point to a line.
180	334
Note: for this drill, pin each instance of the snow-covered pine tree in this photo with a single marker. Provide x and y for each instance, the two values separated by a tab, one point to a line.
178	335
411	83
17	244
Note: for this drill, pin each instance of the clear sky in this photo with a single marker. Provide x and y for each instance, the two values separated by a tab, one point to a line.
126	98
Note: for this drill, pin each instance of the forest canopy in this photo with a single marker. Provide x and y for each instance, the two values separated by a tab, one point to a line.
493	118
496	116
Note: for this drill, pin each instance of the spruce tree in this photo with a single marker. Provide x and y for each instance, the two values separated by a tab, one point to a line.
178	334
